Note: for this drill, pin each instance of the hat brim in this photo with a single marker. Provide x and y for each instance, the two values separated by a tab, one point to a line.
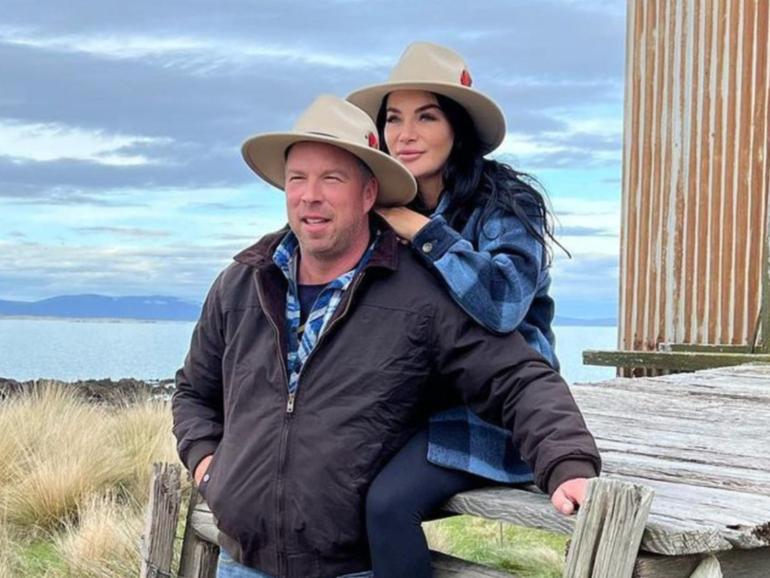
266	155
487	116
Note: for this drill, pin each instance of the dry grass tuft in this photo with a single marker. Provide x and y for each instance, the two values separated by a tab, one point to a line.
58	457
141	432
104	542
76	482
8	552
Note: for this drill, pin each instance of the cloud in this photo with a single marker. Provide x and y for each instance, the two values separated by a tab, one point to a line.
131	126
31	271
585	286
73	181
123	231
197	54
227	206
51	141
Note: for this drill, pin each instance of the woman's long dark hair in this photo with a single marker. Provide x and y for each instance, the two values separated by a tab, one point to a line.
471	181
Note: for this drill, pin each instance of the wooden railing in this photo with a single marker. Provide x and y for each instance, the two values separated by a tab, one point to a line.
605	535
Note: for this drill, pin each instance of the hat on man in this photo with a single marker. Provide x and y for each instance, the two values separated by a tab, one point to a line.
437	69
337	122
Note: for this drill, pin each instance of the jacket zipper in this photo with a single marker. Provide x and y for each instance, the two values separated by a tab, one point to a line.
290	403
280	505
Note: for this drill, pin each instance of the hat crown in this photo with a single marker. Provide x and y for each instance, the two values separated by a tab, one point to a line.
427	62
333	117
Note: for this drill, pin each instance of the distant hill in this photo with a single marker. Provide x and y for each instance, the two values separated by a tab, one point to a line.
160	308
147	307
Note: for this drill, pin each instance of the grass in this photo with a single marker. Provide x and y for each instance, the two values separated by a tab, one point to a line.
525	552
76	484
103	542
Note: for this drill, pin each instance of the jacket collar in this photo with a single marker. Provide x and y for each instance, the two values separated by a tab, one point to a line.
385	255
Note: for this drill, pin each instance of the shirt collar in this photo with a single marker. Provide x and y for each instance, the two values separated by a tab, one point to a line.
286	255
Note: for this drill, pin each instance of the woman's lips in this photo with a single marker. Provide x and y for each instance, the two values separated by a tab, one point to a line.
409	156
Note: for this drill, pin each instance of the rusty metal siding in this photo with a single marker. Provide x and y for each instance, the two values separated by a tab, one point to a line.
695	171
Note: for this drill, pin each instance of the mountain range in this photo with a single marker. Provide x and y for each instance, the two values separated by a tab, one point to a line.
159	308
147	307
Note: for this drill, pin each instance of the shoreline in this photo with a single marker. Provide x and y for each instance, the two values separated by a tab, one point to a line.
109	391
90	319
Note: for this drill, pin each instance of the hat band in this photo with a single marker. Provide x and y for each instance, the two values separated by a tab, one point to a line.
326	134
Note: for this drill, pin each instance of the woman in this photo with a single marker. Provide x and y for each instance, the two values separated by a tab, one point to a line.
483	227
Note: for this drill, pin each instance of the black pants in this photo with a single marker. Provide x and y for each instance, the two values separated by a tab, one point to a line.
406	491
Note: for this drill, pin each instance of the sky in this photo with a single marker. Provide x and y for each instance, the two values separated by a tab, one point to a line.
121	125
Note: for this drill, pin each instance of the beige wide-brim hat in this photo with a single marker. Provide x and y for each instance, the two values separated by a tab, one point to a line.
333	121
437	69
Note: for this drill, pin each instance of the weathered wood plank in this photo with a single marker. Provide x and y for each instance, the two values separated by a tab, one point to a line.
445	566
661	432
748	381
530	508
161	521
673	527
720	511
204	531
674	360
734	564
521	506
203	561
698	440
609	529
695	347
203	523
199	556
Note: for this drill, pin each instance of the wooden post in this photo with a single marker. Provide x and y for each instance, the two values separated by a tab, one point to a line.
609	530
199	554
161	521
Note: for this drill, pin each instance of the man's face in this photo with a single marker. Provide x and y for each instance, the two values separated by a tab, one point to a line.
327	200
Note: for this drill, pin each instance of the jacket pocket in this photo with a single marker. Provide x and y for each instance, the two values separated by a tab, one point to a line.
204	486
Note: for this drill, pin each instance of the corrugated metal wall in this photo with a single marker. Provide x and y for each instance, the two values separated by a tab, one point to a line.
695	171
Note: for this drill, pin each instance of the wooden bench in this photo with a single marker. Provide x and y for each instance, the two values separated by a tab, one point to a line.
698	441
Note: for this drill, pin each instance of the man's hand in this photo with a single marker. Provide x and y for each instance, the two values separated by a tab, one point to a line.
405	222
200	469
569	495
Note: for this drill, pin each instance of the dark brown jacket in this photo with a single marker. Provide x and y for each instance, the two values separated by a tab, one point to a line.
287	484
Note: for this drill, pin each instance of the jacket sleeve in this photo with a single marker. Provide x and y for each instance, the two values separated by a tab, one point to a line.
507	383
197	403
495	281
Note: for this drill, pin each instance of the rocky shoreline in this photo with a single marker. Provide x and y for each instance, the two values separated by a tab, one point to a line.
96	390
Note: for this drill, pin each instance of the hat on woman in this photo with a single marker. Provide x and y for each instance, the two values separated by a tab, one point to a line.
437	69
337	122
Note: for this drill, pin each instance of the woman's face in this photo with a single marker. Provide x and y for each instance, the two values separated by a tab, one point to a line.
418	133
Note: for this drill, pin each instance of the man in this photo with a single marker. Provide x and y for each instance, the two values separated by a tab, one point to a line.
311	362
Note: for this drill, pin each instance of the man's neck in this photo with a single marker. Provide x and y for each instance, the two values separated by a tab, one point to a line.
313	271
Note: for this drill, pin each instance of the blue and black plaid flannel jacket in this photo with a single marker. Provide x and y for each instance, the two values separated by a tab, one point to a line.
501	279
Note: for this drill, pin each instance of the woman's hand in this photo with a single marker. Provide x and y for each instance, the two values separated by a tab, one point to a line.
405	222
570	495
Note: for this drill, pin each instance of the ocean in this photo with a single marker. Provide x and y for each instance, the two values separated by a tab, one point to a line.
69	349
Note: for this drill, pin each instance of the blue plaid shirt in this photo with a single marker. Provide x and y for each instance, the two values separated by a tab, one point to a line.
302	339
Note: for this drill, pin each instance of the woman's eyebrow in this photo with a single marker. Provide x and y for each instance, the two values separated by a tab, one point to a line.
422	108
